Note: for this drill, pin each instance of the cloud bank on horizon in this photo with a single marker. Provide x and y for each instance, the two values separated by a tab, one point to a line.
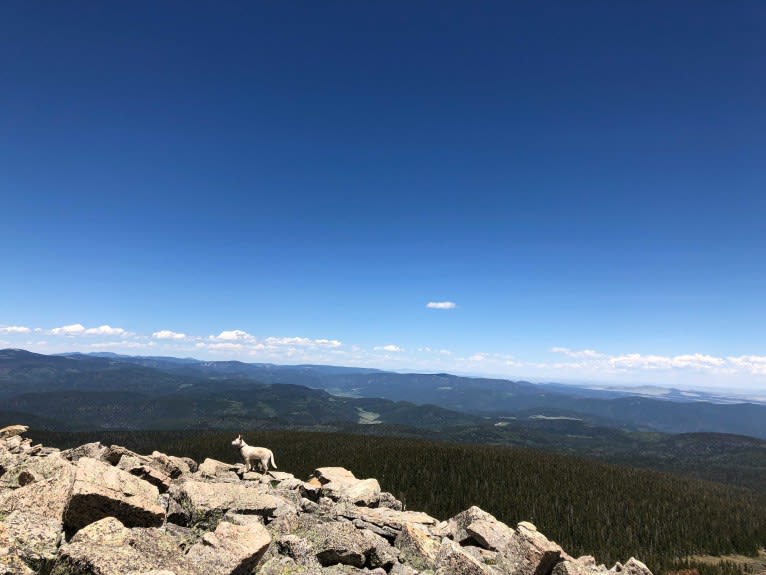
559	363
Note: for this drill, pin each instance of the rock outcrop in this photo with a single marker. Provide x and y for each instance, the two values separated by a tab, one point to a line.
104	510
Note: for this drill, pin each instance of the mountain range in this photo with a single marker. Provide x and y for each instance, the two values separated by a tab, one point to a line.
78	391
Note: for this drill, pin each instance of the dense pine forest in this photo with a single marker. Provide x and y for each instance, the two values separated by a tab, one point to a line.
589	507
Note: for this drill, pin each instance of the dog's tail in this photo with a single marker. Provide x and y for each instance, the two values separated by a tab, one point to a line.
271	457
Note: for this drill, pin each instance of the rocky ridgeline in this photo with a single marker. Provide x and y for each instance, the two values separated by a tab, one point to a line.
98	510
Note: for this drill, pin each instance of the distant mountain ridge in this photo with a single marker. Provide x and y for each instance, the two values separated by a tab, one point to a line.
183	392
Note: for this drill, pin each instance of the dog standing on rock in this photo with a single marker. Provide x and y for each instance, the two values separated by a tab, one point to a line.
252	454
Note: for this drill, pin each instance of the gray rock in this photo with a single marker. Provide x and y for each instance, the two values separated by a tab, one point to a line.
173	467
572	568
13	431
341	542
34	537
452	559
205	501
177	514
297	549
387	499
457	525
281	565
147	469
416	547
48	495
635	567
529	552
389	520
100	490
402	569
490	534
107	547
291	484
93	450
230	550
218	470
339	483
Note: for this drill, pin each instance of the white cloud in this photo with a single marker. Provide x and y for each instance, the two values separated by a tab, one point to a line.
79	329
104	330
576	353
478	357
755	364
301	341
389	347
233	335
72	329
167	334
15	329
441	305
696	361
226	345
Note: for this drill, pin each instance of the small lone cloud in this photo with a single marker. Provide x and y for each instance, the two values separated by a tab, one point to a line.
441	305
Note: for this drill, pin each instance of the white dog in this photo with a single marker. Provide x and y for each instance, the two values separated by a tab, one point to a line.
252	454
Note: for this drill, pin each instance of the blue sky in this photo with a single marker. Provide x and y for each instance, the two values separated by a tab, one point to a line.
295	182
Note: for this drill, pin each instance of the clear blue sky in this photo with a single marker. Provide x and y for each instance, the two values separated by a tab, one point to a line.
297	181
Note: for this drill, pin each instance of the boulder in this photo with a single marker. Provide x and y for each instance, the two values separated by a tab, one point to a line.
281	565
490	534
146	469
457	525
114	453
93	450
34	537
12	564
13	431
416	547
100	490
340	542
453	559
107	547
173	467
529	552
634	567
47	495
218	470
383	520
297	549
205	502
11	560
230	549
387	499
339	483
573	568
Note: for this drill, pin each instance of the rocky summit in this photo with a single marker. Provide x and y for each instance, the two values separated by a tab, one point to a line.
104	510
